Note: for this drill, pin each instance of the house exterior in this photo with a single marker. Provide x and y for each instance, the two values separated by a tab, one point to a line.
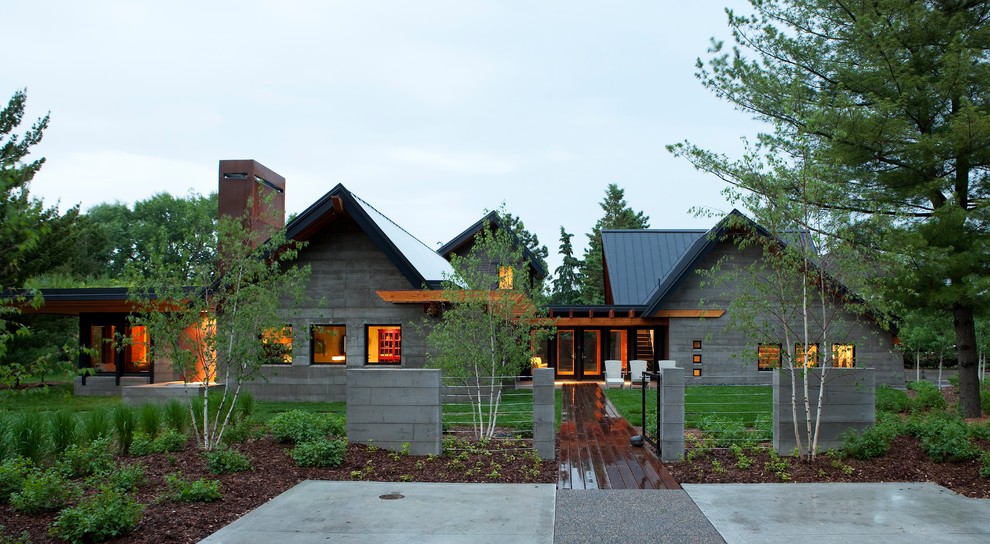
659	306
374	288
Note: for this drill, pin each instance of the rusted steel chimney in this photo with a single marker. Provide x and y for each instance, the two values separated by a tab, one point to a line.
254	193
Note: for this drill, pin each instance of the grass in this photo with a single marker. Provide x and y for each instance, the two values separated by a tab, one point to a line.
516	405
52	399
738	402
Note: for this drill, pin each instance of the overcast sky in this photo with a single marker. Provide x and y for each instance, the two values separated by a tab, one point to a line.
432	111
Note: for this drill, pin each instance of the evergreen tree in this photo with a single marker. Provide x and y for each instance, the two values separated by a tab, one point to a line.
618	215
565	284
892	94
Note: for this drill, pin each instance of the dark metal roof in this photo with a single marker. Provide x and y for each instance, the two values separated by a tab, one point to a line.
469	233
414	259
638	261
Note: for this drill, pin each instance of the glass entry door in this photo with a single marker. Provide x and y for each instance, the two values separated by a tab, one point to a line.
566	353
591	361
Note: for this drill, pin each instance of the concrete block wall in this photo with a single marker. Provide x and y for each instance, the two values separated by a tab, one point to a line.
100	386
849	403
544	424
136	395
300	383
671	421
392	407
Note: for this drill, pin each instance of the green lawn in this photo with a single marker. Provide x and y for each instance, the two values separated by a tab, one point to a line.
515	410
51	399
738	402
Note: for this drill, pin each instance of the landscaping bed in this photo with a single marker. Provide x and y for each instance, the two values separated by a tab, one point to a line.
273	472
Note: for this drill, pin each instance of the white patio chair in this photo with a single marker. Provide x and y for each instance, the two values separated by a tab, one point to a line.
636	369
613	374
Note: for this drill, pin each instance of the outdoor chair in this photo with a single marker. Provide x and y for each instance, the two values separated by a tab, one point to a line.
636	369
665	364
613	374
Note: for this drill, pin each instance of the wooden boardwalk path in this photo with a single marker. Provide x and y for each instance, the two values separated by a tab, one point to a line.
595	452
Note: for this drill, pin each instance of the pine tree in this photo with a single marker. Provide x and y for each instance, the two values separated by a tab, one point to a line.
565	283
618	215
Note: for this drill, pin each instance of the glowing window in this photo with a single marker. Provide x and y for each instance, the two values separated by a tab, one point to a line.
697	358
329	344
384	344
697	372
810	360
768	356
844	355
505	277
277	344
696	344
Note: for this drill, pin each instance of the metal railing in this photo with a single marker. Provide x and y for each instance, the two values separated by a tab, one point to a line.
720	416
489	409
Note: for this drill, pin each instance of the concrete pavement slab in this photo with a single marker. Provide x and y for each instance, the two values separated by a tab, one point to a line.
389	512
622	516
840	513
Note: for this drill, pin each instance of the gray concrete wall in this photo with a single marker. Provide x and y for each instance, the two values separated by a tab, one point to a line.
544	424
671	421
99	386
392	407
728	352
849	403
136	395
347	271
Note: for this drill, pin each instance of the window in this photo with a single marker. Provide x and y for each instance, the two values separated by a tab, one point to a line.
505	277
618	348
696	358
384	344
801	360
136	353
696	344
768	356
329	344
277	345
111	345
697	372
102	353
843	355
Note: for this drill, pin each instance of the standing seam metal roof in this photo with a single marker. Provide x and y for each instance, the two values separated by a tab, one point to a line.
640	260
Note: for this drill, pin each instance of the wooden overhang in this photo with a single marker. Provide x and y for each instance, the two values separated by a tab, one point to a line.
74	301
628	317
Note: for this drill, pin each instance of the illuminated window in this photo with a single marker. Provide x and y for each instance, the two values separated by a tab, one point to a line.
505	277
768	356
277	344
696	344
101	349
697	358
697	372
384	344
329	344
810	360
136	353
844	355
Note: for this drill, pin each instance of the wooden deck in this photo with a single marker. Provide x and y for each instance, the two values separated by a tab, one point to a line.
595	452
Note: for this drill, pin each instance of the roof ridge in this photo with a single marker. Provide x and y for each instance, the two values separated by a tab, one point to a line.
389	219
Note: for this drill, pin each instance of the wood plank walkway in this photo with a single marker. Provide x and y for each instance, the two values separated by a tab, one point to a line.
595	452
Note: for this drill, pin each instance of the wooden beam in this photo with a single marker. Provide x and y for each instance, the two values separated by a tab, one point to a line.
338	203
418	296
565	322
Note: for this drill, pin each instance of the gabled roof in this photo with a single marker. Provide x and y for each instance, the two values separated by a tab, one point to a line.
468	235
415	260
636	261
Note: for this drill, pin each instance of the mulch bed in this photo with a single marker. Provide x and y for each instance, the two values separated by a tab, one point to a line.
273	473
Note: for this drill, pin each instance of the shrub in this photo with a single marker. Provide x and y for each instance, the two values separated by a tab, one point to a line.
83	460
104	515
5	440
243	430
169	441
96	424
27	436
182	490
43	492
123	424
321	452
297	426
140	444
25	537
928	397
724	431
985	465
150	419
226	461
176	416
872	442
13	471
124	478
63	427
892	400
946	439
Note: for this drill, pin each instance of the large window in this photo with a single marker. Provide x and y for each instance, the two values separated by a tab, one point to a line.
505	277
384	344
799	357
112	346
136	354
277	344
768	356
329	344
844	355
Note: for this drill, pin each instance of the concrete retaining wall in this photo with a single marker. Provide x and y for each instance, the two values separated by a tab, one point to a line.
392	407
300	383
544	424
671	421
849	403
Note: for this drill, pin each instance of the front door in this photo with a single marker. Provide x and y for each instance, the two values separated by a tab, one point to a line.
579	354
